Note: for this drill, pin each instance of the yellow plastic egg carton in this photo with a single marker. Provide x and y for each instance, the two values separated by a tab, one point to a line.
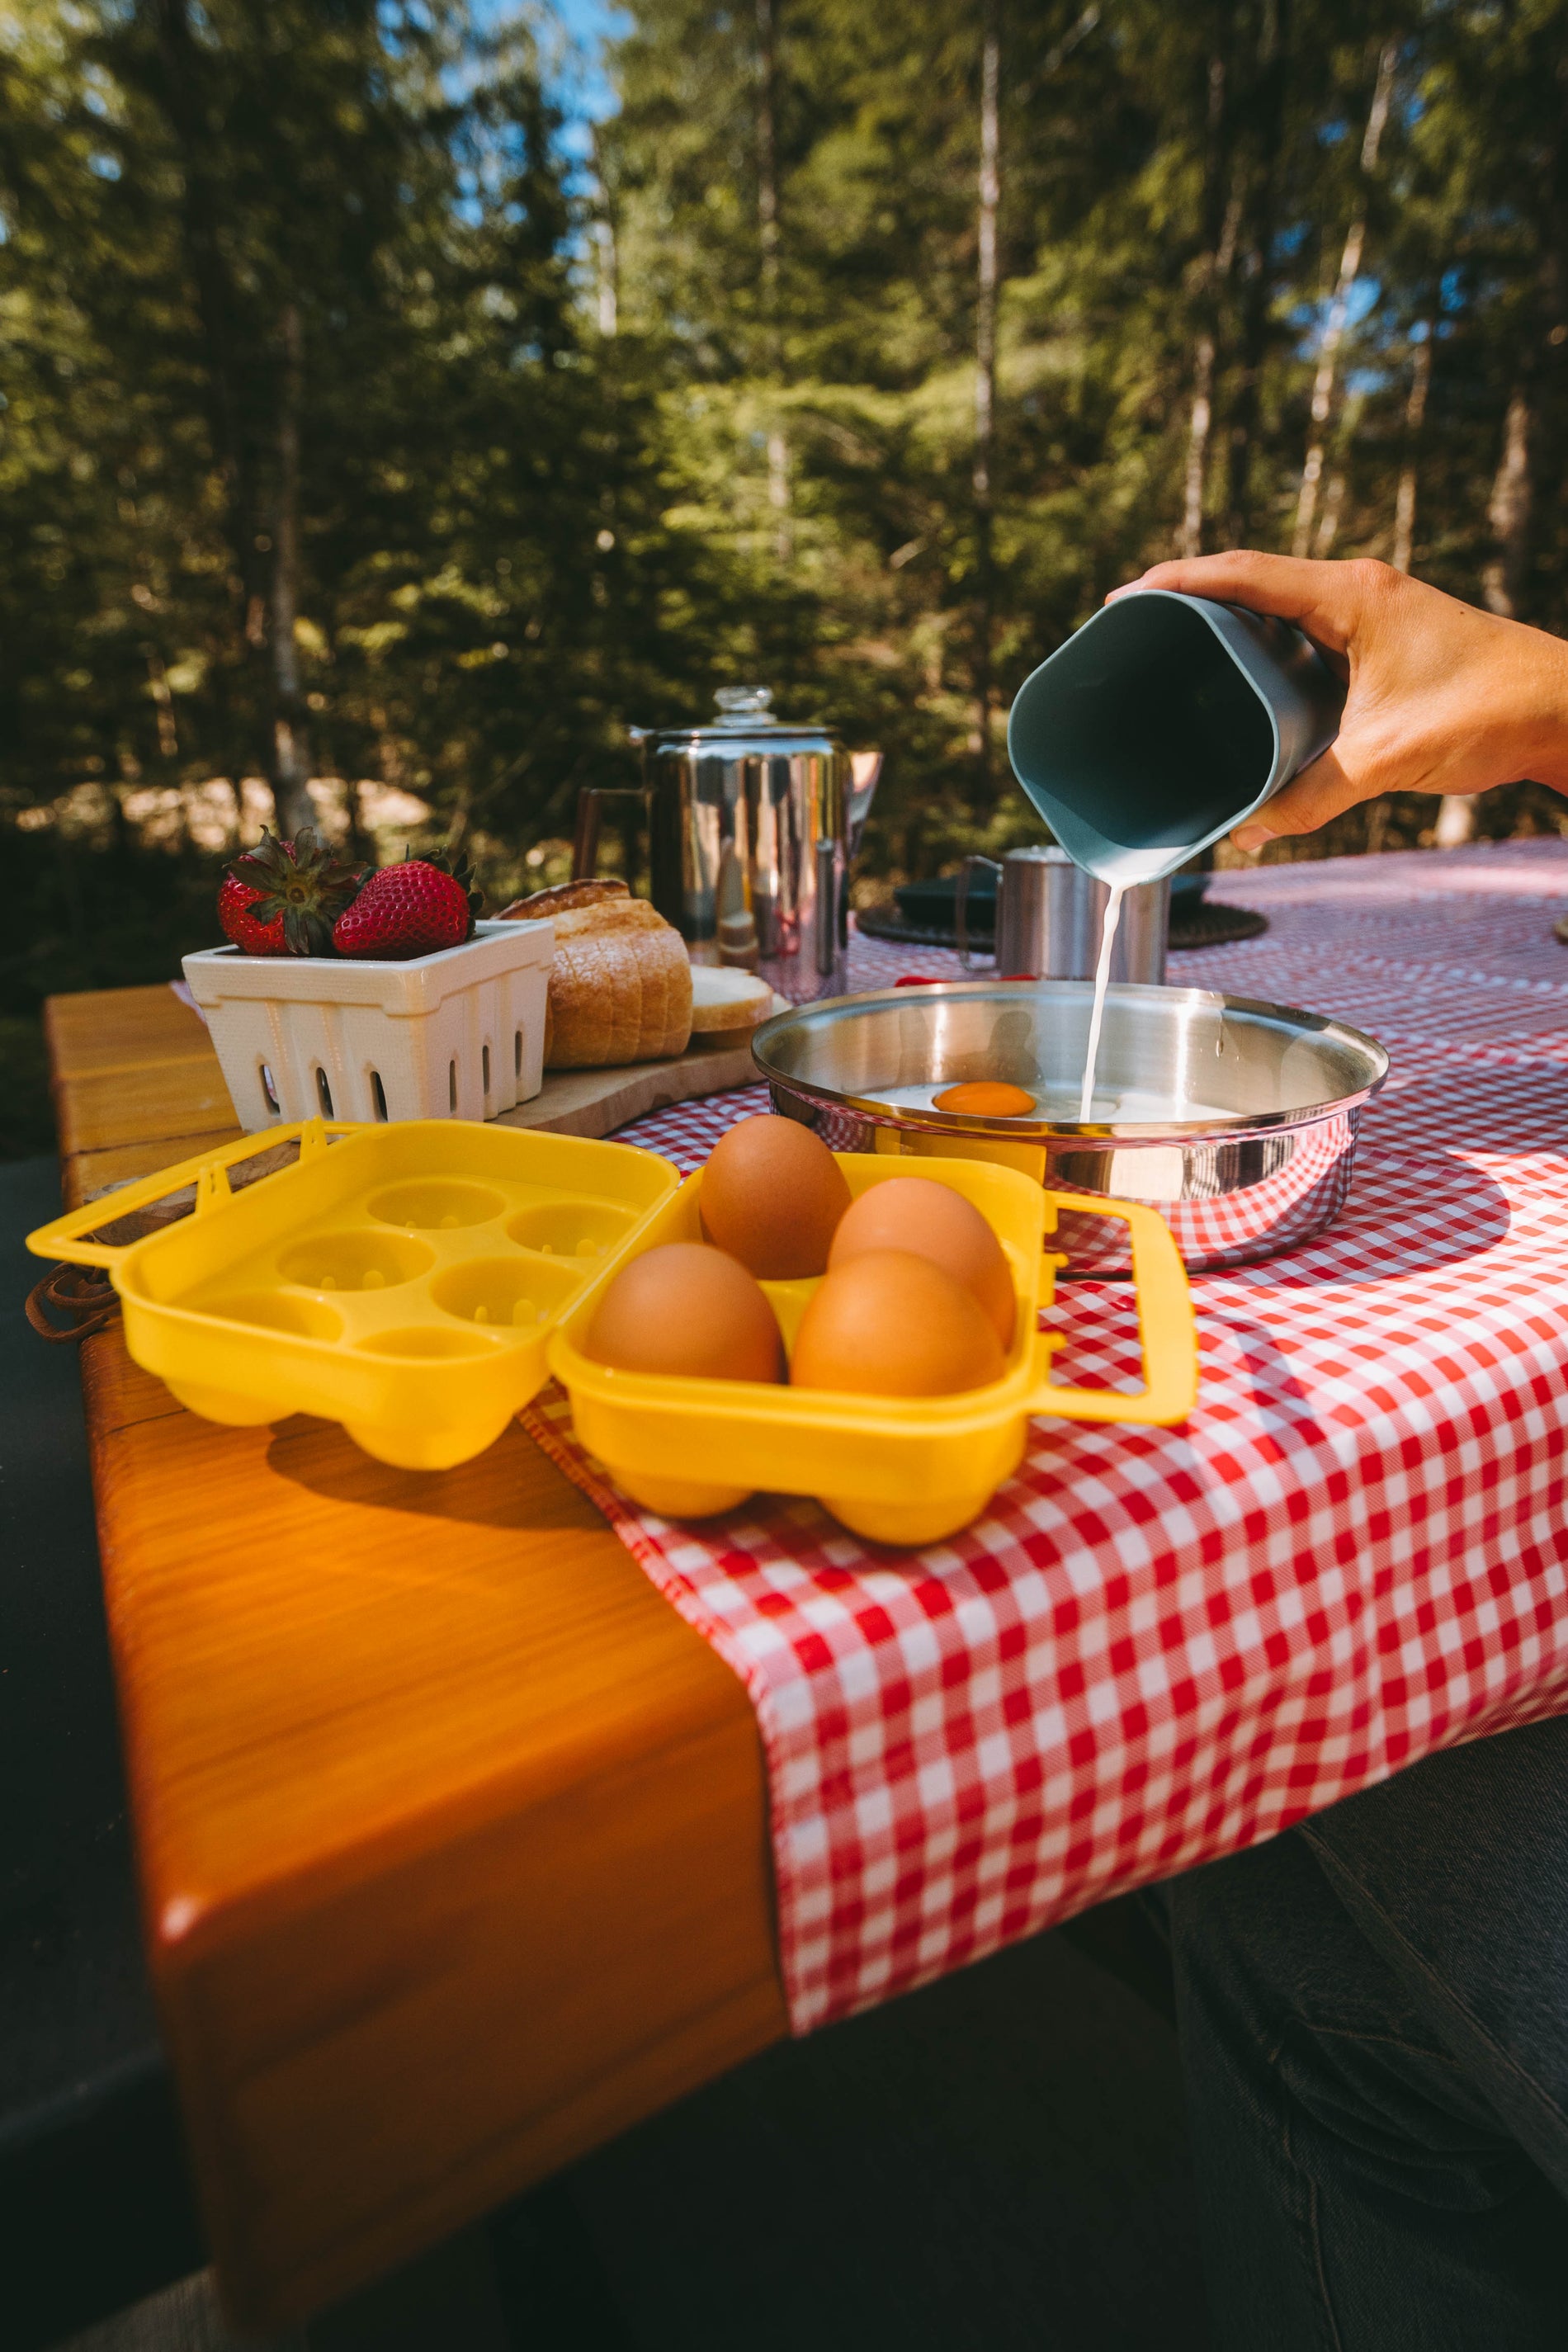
401	1279
899	1470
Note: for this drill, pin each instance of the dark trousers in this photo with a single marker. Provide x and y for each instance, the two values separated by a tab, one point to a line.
1373	2013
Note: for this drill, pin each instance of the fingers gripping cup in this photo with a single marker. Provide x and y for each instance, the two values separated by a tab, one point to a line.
1161	723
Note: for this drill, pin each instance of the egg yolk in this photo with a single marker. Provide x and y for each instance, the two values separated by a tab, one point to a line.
986	1098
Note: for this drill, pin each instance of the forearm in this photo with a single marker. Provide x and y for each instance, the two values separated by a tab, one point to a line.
1534	743
1442	698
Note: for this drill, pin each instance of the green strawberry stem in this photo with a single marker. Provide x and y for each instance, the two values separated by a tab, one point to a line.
304	883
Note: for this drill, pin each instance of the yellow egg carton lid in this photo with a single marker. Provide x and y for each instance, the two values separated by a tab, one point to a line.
402	1279
897	1469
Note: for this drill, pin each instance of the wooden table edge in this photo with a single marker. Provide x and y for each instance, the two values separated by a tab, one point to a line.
269	2282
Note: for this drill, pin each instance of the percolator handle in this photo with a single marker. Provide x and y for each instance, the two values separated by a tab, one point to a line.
585	833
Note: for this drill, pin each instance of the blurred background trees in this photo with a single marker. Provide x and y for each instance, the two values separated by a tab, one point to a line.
368	422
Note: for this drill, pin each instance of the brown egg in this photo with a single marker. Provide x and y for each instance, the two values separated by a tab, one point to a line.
986	1098
689	1309
887	1323
772	1195
912	1212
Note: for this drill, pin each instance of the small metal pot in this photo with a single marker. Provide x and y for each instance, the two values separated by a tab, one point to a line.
1236	1119
1050	918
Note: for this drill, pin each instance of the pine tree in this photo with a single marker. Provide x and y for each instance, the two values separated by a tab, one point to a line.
349	430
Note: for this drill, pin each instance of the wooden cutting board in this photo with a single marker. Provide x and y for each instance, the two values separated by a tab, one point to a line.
598	1102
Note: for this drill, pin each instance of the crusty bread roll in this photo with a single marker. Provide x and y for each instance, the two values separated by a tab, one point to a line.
620	985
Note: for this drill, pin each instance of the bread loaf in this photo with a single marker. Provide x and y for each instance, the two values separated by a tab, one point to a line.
620	985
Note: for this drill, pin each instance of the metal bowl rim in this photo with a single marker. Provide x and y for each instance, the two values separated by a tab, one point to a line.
956	1123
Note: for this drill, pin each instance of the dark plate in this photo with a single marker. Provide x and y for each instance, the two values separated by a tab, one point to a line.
933	906
1206	924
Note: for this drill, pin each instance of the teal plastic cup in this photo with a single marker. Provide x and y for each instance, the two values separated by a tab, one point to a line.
1162	722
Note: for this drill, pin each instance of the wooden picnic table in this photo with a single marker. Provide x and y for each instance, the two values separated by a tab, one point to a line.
451	1834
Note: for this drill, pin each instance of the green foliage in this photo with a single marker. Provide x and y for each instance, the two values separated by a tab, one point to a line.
487	581
339	411
1168	177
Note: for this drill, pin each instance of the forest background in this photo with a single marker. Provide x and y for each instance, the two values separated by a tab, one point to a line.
381	430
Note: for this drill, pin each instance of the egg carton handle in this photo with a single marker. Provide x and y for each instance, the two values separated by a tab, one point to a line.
1167	1330
70	1240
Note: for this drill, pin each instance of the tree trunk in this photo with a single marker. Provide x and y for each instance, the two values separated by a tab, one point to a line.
987	289
768	242
290	767
1543	373
1219	247
767	163
1414	418
1198	447
162	703
1216	270
1333	331
990	191
225	372
778	491
1329	520
1455	820
1333	505
1264	164
1323	387
604	249
1509	511
609	303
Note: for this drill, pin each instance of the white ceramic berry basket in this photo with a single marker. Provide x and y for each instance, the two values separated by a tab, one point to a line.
457	1034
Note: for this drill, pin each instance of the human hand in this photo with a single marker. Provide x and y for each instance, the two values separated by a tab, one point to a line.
1442	698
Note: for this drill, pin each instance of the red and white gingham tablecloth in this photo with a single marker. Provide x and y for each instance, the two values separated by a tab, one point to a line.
1160	1646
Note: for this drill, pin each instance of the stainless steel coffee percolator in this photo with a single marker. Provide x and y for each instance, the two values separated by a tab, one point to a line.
753	825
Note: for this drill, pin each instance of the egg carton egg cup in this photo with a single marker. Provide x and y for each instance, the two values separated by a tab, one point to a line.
402	1280
457	1034
896	1470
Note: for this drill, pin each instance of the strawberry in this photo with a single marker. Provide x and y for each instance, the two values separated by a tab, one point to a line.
234	901
295	891
412	910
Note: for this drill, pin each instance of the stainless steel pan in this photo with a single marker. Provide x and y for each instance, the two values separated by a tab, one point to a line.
1236	1118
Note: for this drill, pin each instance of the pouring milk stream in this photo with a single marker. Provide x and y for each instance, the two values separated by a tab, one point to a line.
1101	975
1158	726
